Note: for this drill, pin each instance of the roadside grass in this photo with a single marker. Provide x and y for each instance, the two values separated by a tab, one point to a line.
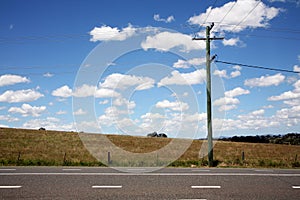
57	148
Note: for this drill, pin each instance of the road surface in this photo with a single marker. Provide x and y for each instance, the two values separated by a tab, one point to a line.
168	183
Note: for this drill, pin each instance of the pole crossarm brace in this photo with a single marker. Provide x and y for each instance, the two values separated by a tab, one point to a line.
208	92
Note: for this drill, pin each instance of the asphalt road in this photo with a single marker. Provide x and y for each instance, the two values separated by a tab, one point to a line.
169	183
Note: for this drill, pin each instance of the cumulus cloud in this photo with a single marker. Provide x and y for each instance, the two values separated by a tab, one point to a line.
175	106
8	118
177	78
253	13
10	79
17	96
232	42
28	110
50	123
63	91
107	33
165	41
223	73
296	68
169	19
229	101
185	64
288	95
80	111
124	81
48	75
265	81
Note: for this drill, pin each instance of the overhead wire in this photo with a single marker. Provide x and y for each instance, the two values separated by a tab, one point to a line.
246	16
256	66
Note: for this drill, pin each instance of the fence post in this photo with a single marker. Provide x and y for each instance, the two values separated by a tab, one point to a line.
108	158
243	156
65	159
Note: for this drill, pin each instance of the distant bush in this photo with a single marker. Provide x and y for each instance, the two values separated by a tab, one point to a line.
290	138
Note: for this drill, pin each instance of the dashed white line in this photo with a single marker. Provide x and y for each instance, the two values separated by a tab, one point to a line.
10	186
107	186
296	187
205	187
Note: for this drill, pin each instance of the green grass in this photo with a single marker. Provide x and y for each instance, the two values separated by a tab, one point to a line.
56	148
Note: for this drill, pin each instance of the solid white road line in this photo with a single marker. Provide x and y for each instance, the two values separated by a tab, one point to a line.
10	186
192	199
200	170
107	186
71	169
144	174
296	187
205	187
7	169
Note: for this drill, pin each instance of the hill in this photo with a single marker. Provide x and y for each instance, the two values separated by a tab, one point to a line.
40	147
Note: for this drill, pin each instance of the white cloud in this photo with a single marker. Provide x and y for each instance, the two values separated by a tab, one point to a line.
124	102
177	78
124	81
48	75
28	110
229	102
288	95
184	64
221	73
235	74
107	33
165	41
8	118
61	112
169	19
239	10
265	81
50	123
80	111
28	95
103	102
231	42
9	79
175	106
296	68
236	92
63	91
106	93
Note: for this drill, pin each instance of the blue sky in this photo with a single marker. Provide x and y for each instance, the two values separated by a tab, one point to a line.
62	66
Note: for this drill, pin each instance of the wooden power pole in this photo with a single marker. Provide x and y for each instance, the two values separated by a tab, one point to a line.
208	93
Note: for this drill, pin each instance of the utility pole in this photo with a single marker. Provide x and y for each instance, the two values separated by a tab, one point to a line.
208	93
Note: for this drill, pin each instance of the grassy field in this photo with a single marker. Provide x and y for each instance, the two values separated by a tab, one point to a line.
33	147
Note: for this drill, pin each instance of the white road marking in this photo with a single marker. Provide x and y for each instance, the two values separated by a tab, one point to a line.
139	169
144	174
192	199
10	186
7	169
71	169
107	186
200	170
205	187
263	170
296	187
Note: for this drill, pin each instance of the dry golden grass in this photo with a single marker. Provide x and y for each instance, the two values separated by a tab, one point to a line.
33	147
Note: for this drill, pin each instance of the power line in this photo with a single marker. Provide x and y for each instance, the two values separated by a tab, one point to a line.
227	13
246	16
257	67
